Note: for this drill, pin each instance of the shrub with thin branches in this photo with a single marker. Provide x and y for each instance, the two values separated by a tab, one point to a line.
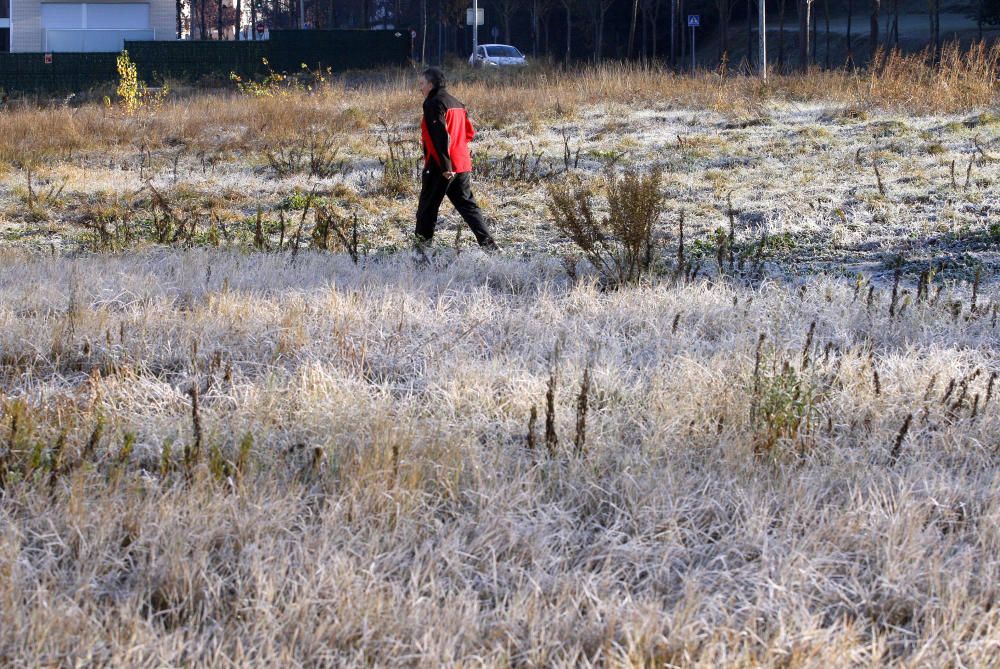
620	244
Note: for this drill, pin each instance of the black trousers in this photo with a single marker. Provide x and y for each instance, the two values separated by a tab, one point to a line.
459	191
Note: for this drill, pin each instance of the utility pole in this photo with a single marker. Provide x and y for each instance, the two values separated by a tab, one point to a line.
762	40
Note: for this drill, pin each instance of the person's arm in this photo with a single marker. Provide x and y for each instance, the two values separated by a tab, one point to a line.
470	131
437	127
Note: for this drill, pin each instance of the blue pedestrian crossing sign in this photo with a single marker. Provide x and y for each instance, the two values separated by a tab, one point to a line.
694	20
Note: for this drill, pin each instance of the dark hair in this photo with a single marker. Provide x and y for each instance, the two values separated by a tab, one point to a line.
435	76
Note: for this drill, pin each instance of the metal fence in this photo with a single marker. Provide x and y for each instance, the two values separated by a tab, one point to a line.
193	61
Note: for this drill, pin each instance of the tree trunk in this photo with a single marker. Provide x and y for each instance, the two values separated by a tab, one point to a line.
644	25
826	15
895	24
815	33
569	31
239	18
805	26
203	28
631	28
534	29
673	33
683	28
937	27
598	36
850	35
656	22
723	30
873	42
423	32
781	36
218	19
750	17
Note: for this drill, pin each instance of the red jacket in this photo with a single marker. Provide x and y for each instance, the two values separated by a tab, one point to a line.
446	132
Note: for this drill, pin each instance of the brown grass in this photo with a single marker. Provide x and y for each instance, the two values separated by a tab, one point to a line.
964	80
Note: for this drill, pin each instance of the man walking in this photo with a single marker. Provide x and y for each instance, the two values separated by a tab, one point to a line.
446	132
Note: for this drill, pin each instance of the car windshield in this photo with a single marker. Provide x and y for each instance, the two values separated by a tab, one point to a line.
503	52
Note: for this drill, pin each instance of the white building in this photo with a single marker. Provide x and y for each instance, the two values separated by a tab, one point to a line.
97	25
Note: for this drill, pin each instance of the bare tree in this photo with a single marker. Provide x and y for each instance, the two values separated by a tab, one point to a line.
507	9
750	17
826	16
934	14
597	11
674	26
805	26
540	10
631	28
543	17
651	18
781	35
423	31
873	30
568	5
725	8
895	24
850	34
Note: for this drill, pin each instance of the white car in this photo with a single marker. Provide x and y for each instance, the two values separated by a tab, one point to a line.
497	55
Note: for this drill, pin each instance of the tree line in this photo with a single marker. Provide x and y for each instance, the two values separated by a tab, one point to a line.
827	33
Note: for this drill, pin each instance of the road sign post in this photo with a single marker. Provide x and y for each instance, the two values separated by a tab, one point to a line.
475	29
694	20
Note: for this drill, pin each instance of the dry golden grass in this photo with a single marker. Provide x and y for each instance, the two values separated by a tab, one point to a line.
906	83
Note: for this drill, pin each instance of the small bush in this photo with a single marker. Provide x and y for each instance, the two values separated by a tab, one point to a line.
620	245
785	408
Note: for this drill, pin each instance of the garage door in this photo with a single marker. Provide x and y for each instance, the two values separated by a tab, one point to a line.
95	16
82	26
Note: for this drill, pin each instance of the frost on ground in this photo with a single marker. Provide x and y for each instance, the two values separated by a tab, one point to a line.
781	475
809	187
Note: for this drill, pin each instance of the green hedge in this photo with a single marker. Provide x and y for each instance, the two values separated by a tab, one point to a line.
286	50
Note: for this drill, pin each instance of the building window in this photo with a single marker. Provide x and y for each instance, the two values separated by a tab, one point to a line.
4	9
4	40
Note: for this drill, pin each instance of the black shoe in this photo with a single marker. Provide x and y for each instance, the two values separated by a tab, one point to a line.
420	253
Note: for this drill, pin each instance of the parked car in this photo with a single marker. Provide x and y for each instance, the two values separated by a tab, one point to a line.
497	55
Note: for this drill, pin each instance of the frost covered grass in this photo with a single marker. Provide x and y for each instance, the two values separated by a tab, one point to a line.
772	475
232	436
